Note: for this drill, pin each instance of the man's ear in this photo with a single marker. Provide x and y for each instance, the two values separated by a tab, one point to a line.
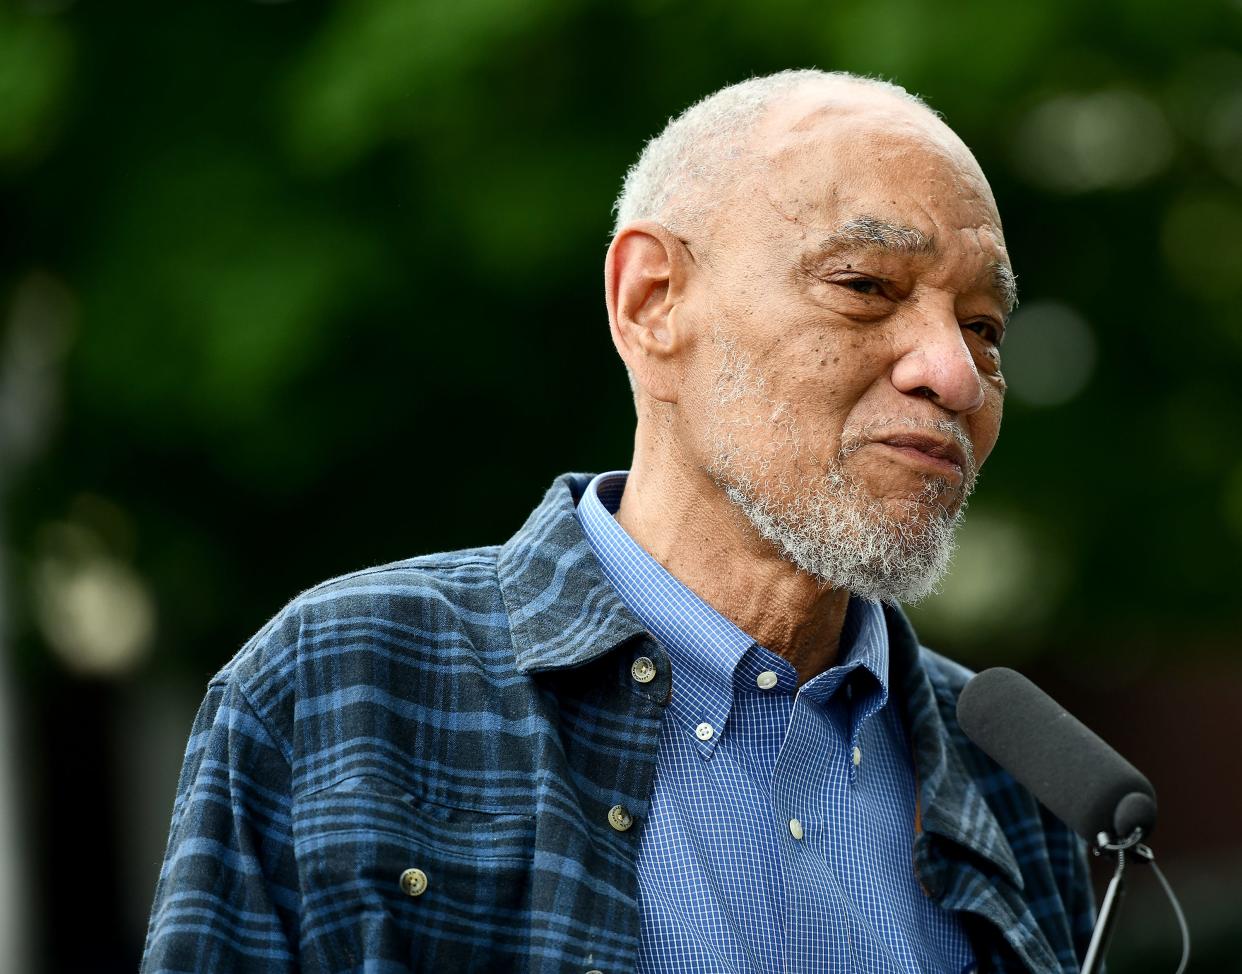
644	282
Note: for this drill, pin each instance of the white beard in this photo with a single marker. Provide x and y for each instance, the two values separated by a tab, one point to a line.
828	524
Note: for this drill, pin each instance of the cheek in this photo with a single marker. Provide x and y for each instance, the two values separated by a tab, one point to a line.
822	383
985	425
831	366
838	371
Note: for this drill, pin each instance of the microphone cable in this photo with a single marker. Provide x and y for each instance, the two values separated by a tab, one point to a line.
1146	853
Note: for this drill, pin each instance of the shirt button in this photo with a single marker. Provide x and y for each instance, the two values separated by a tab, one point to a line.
857	756
704	732
849	691
619	818
766	680
795	828
594	972
413	882
643	670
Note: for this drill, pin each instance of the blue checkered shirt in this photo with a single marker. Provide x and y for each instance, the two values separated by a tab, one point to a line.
781	819
447	763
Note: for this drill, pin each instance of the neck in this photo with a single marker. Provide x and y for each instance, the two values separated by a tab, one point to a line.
684	520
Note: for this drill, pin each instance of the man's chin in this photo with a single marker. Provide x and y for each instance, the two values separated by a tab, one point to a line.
903	488
924	507
890	551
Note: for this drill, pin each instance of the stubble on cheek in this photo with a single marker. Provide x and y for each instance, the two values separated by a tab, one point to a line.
747	426
775	411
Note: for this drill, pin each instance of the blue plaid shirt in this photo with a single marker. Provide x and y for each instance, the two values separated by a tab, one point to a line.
447	764
772	844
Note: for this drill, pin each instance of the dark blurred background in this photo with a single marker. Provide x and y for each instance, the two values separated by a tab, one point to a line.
288	289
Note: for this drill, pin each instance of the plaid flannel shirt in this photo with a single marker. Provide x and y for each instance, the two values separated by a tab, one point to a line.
445	764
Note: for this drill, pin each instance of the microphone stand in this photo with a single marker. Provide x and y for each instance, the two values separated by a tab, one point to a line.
1112	897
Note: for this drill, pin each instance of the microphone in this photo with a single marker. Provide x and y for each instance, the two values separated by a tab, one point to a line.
1079	778
1069	768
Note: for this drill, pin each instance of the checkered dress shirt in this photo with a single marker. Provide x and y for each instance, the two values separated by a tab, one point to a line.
781	819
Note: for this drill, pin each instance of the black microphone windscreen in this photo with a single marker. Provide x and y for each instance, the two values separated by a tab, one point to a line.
1080	779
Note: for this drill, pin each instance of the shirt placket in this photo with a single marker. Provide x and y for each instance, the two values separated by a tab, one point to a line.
814	938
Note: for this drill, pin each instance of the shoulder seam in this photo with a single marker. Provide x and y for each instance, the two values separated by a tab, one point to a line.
473	557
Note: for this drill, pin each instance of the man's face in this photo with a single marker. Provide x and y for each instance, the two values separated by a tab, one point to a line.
846	384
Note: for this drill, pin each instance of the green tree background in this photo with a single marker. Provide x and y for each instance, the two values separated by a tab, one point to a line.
287	289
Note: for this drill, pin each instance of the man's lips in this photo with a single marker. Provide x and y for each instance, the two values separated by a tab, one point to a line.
941	455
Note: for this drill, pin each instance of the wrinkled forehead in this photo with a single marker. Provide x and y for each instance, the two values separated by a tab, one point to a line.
822	159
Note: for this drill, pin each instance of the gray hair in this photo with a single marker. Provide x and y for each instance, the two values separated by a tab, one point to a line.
700	146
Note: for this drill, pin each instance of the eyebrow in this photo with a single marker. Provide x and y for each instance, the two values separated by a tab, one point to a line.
1005	283
872	234
868	233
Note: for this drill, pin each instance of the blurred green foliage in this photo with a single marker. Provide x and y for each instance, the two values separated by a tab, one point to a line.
291	288
330	267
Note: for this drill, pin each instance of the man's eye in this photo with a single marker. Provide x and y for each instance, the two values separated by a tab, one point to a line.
864	285
986	330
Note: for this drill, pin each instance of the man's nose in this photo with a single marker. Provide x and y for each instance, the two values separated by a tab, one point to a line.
937	364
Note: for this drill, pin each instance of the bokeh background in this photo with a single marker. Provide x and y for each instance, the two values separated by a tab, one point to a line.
288	289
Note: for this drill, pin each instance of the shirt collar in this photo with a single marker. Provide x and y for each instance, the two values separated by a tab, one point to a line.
562	611
864	640
703	646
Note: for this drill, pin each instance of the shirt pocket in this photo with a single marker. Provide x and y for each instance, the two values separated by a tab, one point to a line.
358	842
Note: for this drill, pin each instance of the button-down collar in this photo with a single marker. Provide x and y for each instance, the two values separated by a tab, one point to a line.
703	646
862	676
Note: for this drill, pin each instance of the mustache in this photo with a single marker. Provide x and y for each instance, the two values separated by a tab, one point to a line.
854	438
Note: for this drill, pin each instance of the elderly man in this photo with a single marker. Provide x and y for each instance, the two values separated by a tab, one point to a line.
676	723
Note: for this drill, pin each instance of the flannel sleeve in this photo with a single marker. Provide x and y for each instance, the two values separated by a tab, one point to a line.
227	896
